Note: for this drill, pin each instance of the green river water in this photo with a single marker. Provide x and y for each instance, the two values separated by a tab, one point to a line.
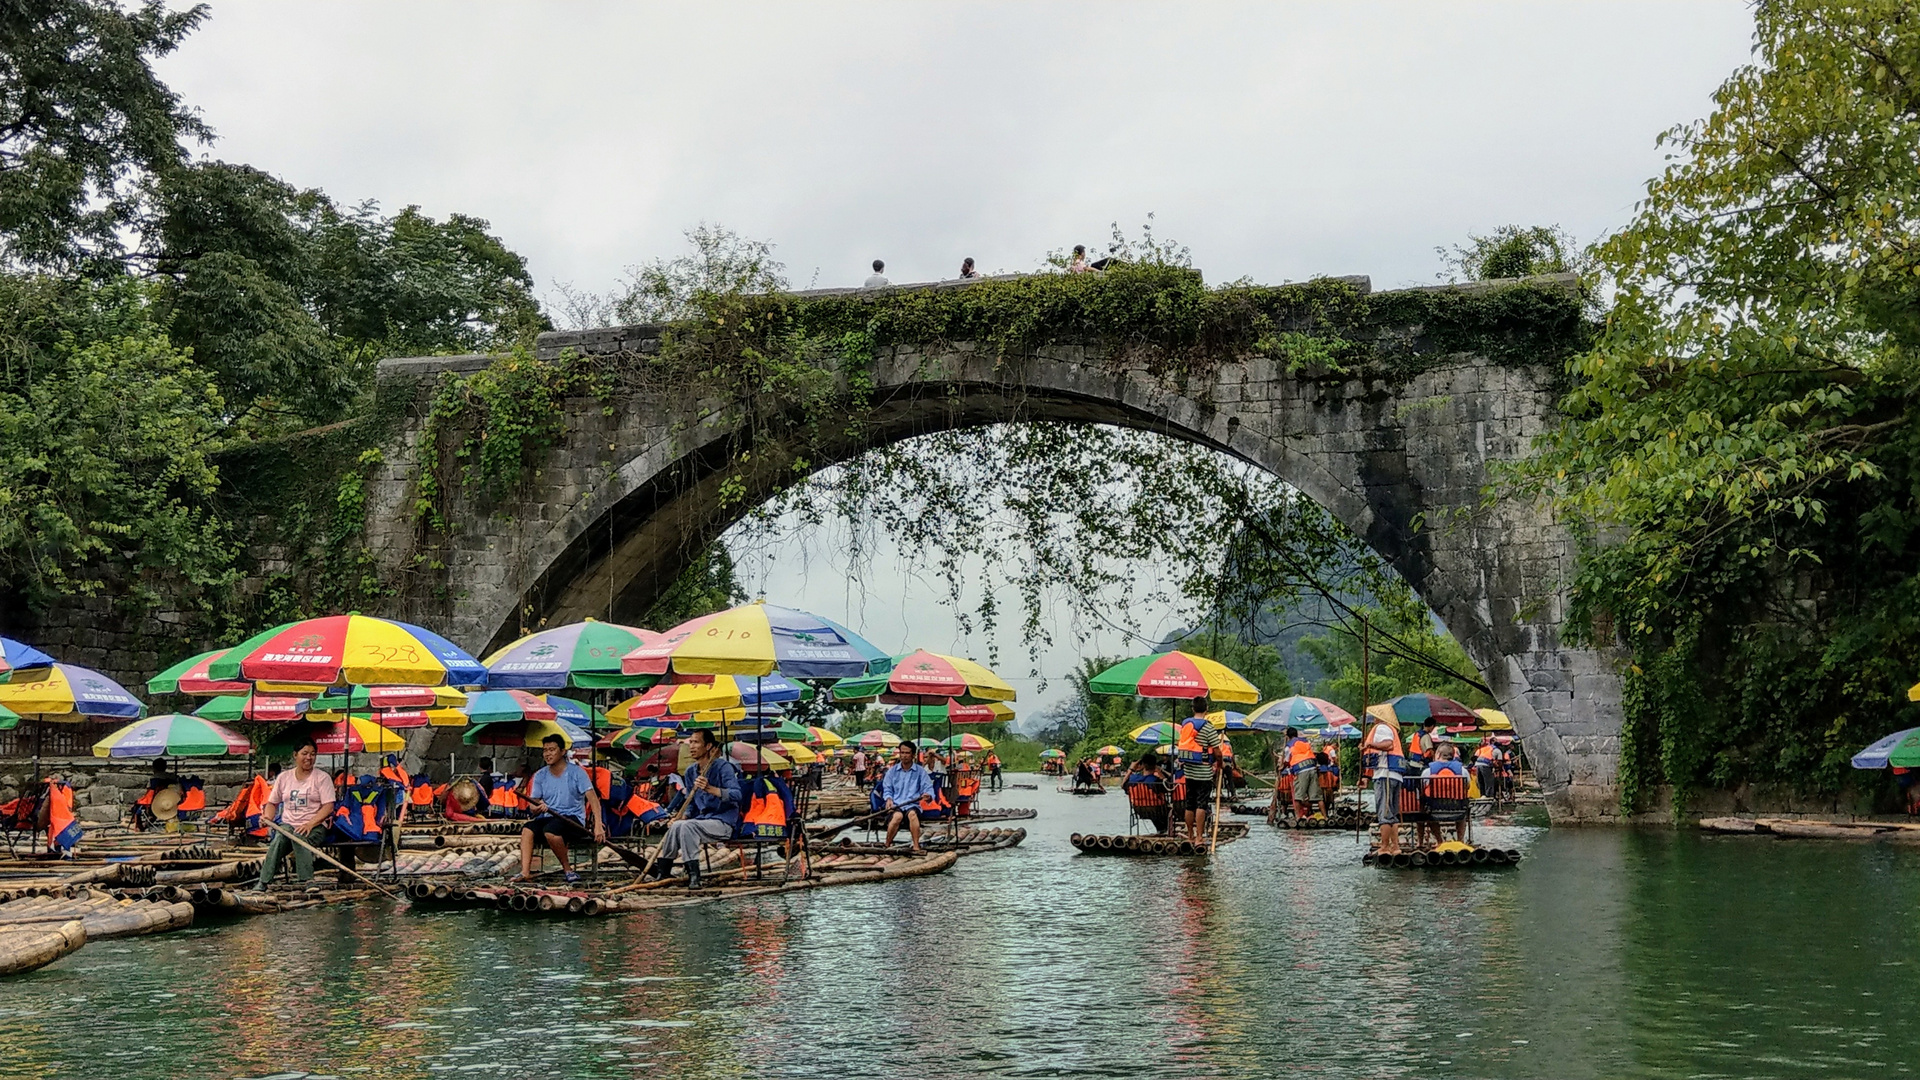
1606	953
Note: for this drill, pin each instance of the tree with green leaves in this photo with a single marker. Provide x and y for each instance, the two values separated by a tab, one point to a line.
1742	440
83	121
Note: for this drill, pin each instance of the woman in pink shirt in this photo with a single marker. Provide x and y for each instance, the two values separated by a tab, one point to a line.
301	798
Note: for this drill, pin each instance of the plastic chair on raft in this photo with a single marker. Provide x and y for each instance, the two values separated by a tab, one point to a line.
1444	799
1144	800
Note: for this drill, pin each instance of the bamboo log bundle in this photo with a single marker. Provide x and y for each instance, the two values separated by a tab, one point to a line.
1476	858
445	841
223	871
27	948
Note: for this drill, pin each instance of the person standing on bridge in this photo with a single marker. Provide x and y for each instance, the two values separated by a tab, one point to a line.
966	269
878	280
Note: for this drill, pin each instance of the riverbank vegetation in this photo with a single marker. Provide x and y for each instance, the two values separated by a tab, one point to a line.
1742	440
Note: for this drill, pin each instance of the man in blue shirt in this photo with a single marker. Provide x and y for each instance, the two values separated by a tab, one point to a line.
901	789
718	797
564	801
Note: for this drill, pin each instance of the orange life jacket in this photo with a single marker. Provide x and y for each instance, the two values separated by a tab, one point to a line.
63	828
1187	746
602	780
194	796
638	804
1298	751
397	773
766	811
423	793
1486	752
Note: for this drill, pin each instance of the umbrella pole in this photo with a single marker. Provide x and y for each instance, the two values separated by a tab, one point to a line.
33	838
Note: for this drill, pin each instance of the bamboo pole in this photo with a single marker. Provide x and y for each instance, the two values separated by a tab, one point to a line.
289	834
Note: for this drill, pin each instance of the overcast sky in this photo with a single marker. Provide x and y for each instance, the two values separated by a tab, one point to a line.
1277	141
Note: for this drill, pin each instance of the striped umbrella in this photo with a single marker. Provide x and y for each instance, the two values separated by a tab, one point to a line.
684	695
798	753
1053	752
1228	720
820	736
69	694
1174	675
579	713
1110	750
258	708
171	735
639	738
752	757
190	676
876	740
497	706
757	639
953	712
925	678
1298	712
526	733
1901	748
355	735
357	650
16	656
585	654
1158	733
1413	709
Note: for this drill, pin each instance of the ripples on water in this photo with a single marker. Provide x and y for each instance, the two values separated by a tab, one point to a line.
1606	954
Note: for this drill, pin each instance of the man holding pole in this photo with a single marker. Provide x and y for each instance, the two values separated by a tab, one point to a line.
706	810
1197	747
302	798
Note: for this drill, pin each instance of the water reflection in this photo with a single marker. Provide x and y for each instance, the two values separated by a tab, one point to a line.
1605	954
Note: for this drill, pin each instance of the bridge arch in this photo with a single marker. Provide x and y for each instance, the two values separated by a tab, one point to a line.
614	513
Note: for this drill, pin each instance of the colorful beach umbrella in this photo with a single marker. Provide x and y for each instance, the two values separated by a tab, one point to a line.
798	753
684	695
876	740
579	713
357	650
355	735
1298	712
953	712
752	757
640	738
1110	750
1174	675
70	694
525	733
768	731
964	741
1228	720
585	654
1053	752
257	708
501	706
1158	733
1901	748
379	698
190	676
19	656
926	678
1493	720
399	719
171	735
819	736
757	639
1414	709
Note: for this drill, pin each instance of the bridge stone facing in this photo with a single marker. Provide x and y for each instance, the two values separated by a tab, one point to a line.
617	508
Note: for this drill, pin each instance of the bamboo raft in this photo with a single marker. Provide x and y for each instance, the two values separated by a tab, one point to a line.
1344	819
966	842
827	870
1791	828
1476	859
1106	844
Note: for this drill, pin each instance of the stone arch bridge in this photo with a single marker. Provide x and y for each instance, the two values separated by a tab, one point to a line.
623	501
